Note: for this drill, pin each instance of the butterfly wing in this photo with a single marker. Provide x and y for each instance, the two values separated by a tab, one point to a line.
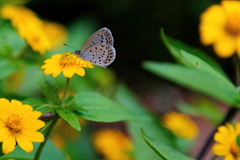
99	54
102	36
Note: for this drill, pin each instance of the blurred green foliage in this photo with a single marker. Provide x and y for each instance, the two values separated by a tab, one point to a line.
135	26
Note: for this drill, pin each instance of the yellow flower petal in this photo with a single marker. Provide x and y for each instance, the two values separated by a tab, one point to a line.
214	15
238	128
180	124
227	145
56	73
232	132
21	126
65	63
4	132
32	136
225	47
220	150
210	34
33	116
24	143
80	72
8	145
35	125
230	157
4	109
221	138
220	26
112	144
232	7
26	111
40	35
69	71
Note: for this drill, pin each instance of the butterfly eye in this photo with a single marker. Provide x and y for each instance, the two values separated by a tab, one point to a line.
47	116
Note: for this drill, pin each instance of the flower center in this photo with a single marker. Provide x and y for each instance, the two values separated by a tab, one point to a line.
233	25
235	150
67	59
15	123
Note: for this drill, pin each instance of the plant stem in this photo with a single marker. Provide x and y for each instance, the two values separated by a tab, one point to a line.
51	126
230	114
47	134
65	91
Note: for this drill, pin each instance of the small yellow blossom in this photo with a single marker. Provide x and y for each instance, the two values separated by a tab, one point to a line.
19	125
66	63
226	142
40	35
220	26
180	124
112	144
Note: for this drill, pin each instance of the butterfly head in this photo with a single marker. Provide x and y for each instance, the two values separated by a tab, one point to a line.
77	52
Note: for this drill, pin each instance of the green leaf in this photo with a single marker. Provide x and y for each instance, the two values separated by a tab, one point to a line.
176	47
199	64
7	68
38	104
49	150
203	108
164	151
238	140
1	153
151	123
69	116
71	100
49	88
101	109
196	80
11	44
42	106
70	103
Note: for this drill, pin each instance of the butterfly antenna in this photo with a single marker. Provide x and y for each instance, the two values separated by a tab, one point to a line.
70	46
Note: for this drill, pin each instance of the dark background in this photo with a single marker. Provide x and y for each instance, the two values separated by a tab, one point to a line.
135	25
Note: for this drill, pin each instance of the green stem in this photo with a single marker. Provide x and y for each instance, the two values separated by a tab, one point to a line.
65	91
229	115
47	134
50	128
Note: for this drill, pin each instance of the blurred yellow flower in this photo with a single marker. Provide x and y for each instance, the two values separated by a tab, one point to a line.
19	125
62	130
227	145
220	26
66	63
40	35
112	144
180	124
56	32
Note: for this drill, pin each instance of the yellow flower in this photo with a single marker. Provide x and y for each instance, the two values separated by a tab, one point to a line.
19	124
37	33
220	26
112	144
226	138
66	63
56	32
180	124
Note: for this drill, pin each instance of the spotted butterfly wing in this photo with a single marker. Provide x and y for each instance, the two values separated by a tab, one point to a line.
99	49
100	54
102	36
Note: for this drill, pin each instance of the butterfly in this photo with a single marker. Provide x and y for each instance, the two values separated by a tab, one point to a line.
98	49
